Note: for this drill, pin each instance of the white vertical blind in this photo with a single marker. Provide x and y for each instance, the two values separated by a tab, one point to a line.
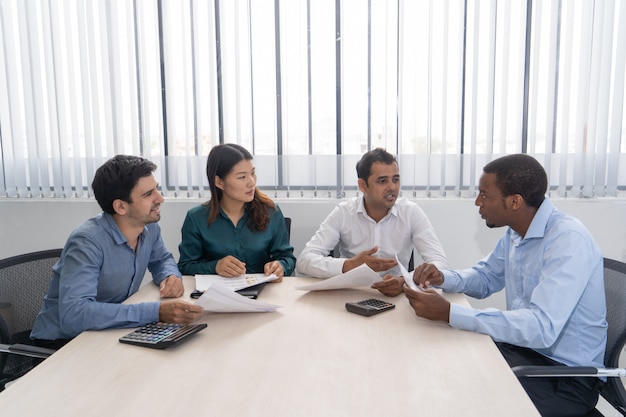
308	86
616	117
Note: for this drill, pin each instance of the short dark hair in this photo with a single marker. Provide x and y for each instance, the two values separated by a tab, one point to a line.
520	174
116	178
364	166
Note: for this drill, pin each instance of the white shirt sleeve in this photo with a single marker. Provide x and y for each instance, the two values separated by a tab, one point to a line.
314	260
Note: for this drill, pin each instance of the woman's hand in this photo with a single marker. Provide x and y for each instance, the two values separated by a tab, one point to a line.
230	267
276	268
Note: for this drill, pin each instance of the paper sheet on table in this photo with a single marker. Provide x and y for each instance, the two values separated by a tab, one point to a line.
218	298
360	276
408	277
237	283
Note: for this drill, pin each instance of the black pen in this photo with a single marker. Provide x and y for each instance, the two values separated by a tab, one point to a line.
196	294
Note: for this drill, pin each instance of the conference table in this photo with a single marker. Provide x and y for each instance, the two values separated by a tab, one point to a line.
310	357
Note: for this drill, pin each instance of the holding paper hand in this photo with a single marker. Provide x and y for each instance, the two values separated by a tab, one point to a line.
426	303
390	286
427	274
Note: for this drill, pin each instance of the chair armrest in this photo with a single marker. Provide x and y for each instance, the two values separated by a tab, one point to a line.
27	350
567	371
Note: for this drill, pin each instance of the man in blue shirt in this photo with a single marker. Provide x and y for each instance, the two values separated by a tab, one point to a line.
553	274
105	259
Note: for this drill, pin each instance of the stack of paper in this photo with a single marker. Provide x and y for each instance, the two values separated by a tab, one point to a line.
237	283
360	276
218	298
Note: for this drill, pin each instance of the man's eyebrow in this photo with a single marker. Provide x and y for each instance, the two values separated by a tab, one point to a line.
384	177
150	191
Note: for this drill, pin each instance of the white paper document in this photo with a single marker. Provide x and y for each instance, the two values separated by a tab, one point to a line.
360	276
408	277
236	283
218	298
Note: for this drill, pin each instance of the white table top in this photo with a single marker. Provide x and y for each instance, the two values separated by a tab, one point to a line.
309	358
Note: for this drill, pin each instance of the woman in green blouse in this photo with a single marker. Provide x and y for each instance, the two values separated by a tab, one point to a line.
240	229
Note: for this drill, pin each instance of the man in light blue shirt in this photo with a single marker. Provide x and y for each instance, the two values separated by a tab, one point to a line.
105	259
553	274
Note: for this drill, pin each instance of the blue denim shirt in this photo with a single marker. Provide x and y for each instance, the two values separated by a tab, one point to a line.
97	271
554	281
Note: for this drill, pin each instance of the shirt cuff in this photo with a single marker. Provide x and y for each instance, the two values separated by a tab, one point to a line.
150	312
166	277
450	282
462	317
336	266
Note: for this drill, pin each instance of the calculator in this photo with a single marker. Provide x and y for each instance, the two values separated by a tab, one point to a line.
369	307
160	335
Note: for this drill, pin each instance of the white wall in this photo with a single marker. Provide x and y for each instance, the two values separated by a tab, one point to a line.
30	225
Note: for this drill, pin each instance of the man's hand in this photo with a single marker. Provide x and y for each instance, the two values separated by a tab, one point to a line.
390	285
179	312
427	274
366	257
230	267
171	287
276	268
428	304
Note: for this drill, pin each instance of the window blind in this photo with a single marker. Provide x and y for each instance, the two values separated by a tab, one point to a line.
308	86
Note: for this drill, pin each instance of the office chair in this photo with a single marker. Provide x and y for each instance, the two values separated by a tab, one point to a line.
24	281
613	390
288	224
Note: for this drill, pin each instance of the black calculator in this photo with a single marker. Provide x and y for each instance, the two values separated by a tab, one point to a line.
159	335
369	307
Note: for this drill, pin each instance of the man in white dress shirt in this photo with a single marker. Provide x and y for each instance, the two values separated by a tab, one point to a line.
372	229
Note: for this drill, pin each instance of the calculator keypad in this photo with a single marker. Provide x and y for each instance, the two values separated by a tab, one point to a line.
161	335
377	304
369	307
154	332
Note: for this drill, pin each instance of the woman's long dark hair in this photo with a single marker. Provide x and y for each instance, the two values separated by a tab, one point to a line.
220	162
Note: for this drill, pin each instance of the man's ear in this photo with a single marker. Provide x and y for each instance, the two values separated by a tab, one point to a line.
362	185
517	201
120	206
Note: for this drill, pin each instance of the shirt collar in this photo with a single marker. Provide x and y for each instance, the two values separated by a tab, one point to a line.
115	231
246	209
361	209
113	228
538	225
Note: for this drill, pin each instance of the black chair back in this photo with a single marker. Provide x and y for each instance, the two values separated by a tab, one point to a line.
288	224
24	281
615	289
